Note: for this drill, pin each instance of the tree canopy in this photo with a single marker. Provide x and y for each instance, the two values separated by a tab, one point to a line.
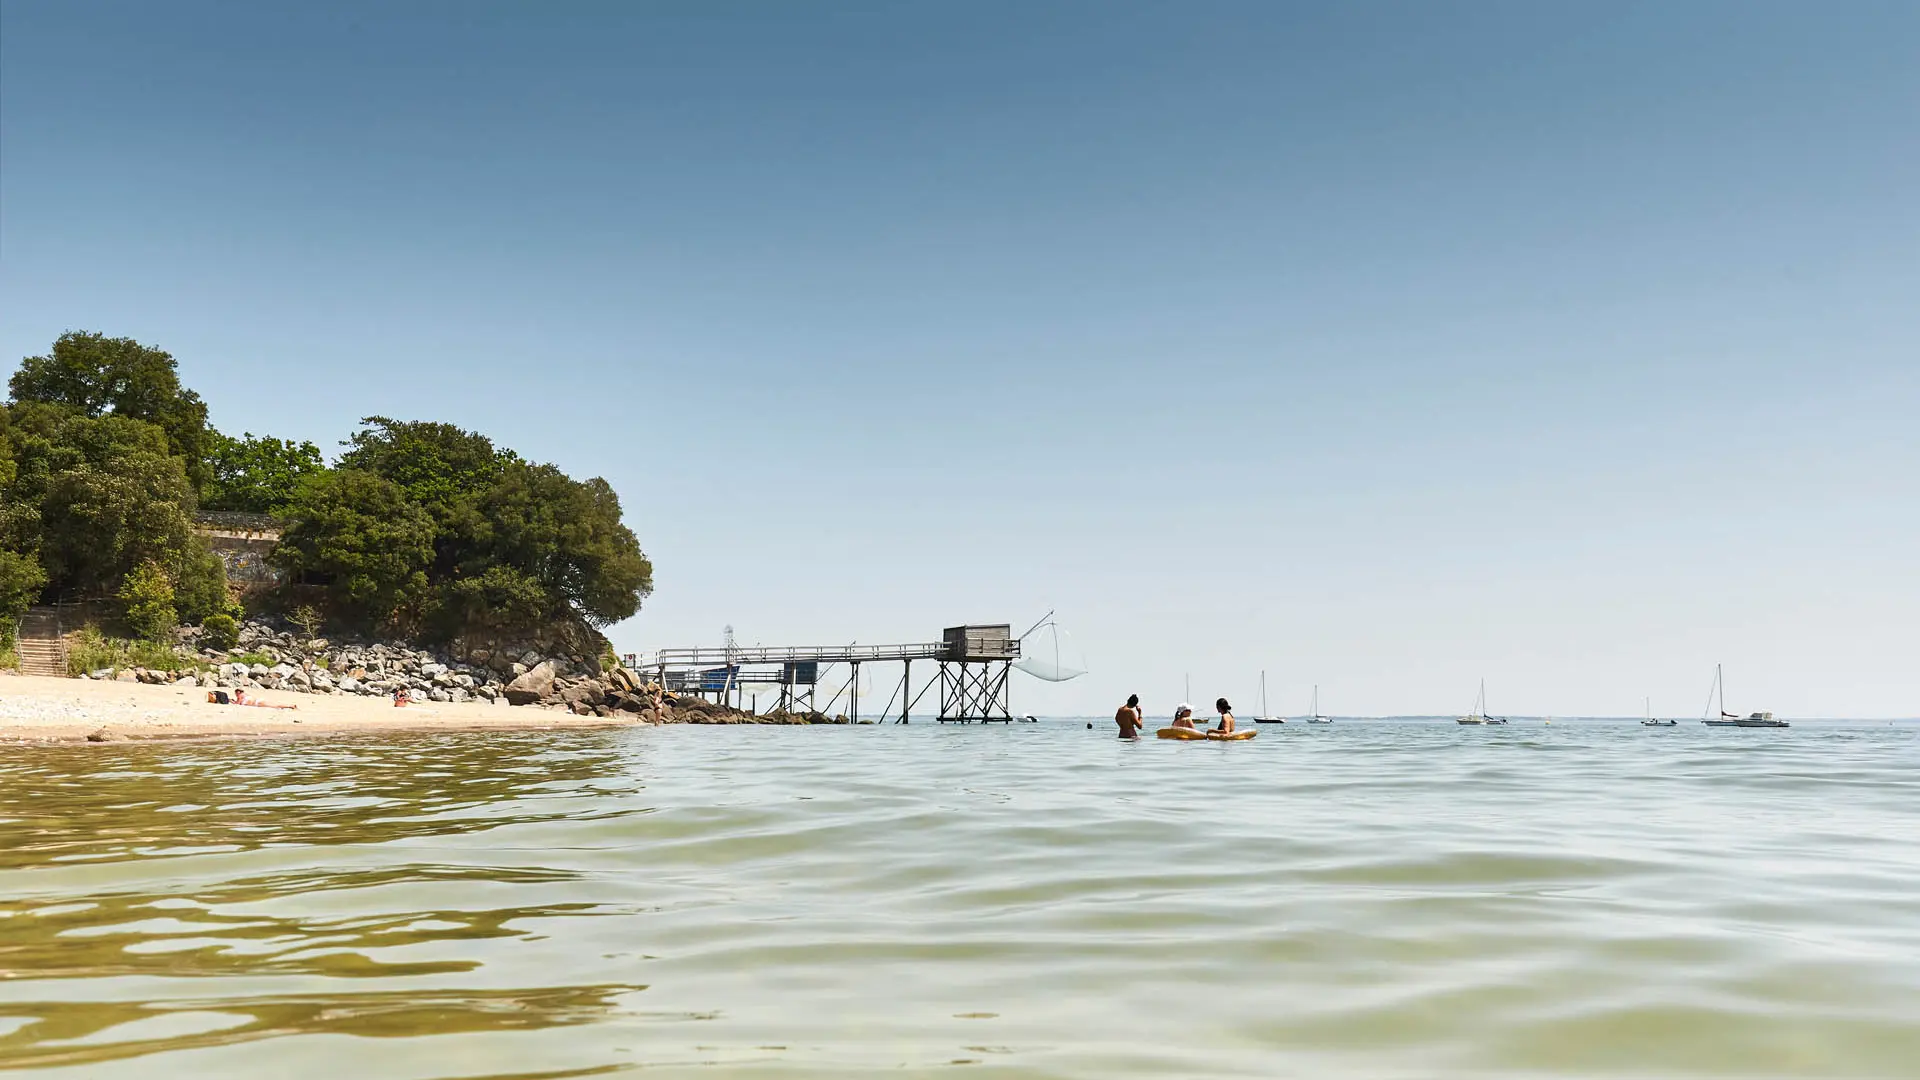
257	474
360	537
419	527
95	498
510	546
98	375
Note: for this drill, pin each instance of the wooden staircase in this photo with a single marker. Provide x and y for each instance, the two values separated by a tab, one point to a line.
42	649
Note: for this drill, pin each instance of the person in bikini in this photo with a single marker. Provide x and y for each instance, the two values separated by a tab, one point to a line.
1128	717
1226	717
1183	717
240	698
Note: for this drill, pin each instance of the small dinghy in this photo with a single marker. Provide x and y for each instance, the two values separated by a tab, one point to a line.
1651	722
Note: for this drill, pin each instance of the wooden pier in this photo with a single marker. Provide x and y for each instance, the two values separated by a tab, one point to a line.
973	661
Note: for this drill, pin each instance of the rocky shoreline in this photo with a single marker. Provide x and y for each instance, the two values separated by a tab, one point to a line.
267	658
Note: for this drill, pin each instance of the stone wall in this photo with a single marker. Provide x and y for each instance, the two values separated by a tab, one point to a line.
243	542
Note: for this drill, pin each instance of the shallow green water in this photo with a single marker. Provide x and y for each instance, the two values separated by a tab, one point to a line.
1365	899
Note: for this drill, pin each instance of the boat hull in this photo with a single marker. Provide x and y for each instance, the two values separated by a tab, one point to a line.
1747	723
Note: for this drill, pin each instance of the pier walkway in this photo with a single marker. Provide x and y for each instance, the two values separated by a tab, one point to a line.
974	662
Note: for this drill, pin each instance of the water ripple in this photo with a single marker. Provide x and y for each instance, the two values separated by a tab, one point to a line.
1380	900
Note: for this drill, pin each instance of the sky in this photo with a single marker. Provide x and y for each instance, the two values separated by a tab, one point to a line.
1379	347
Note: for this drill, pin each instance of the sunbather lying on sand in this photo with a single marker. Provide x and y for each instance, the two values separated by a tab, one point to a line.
218	697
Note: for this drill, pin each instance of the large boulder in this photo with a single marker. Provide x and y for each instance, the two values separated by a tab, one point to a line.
533	687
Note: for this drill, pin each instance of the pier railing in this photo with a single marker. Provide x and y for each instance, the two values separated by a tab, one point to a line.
783	654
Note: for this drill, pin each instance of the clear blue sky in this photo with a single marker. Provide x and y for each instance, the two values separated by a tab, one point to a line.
1380	346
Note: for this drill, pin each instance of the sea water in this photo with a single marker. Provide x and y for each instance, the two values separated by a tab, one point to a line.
1365	899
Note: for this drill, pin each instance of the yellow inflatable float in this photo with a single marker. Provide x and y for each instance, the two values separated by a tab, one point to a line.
1195	735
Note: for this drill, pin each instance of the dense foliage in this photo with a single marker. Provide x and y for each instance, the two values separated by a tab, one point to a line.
257	474
419	528
96	375
91	499
433	527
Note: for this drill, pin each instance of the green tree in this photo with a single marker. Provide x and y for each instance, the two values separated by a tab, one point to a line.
497	599
435	464
200	582
359	536
256	473
99	376
19	519
106	497
559	536
96	497
21	580
147	594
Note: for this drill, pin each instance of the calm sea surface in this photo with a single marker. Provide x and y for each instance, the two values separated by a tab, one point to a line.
1366	899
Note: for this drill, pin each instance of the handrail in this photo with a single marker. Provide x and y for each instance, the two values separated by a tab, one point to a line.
774	654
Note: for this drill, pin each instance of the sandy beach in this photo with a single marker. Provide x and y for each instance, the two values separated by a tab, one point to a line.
64	710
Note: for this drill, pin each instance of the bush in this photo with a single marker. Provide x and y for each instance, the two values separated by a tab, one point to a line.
9	660
92	650
222	631
21	580
307	619
200	588
148	596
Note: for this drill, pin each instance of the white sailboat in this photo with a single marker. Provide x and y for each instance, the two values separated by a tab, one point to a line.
1727	719
1651	722
1263	718
1479	715
1314	717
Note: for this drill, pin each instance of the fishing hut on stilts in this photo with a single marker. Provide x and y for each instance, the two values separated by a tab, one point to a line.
973	665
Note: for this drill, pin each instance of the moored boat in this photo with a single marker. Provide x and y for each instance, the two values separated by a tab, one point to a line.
1651	722
1727	719
1479	715
1263	718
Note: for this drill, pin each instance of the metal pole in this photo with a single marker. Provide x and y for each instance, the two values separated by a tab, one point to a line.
906	689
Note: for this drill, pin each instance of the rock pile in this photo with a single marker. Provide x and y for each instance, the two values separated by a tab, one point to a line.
265	658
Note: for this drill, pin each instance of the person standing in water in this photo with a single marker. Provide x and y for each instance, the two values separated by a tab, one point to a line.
1226	717
1128	717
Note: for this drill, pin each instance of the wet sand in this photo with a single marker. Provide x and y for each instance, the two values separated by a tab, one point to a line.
39	709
